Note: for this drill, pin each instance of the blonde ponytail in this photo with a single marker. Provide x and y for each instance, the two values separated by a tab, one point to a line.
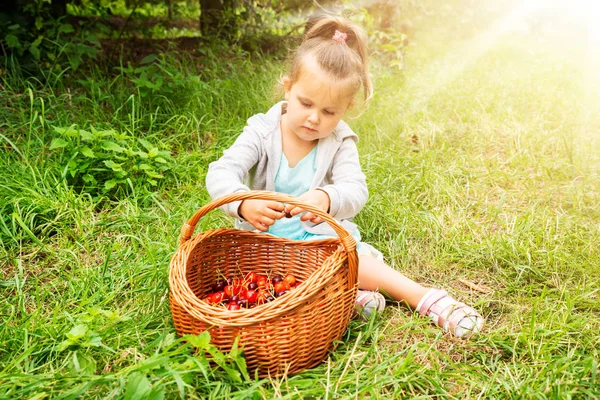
345	58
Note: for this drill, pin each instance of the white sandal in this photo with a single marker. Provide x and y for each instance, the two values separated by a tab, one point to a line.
368	301
451	315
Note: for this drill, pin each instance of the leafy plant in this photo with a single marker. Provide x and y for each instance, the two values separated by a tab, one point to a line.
386	38
80	337
109	162
160	82
389	47
41	42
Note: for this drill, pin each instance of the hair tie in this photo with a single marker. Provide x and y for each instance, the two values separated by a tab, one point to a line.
339	36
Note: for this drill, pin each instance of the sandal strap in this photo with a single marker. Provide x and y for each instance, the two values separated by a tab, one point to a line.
433	297
366	296
464	311
453	315
361	297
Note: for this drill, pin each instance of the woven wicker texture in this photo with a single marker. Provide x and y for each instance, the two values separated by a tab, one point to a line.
289	334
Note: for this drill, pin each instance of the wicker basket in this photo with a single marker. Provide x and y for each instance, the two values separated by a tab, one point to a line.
289	334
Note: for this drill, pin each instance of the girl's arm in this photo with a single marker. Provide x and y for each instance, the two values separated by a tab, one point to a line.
348	193
228	173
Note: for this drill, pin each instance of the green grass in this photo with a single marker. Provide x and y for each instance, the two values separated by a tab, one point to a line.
482	168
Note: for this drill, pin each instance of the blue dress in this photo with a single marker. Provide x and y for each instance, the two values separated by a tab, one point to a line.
296	181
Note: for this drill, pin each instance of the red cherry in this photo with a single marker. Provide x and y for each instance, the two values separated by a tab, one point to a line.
251	296
261	281
281	286
250	277
261	297
233	306
231	290
217	297
290	279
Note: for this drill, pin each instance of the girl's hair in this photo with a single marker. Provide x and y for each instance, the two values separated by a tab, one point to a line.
343	59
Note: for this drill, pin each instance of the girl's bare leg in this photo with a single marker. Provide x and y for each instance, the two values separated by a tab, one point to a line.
445	311
374	274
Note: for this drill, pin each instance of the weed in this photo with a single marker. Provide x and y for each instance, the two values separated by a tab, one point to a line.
109	162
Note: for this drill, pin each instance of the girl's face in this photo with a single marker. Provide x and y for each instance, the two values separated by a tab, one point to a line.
316	103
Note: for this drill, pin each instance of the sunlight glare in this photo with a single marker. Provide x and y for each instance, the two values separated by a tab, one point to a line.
567	25
586	14
457	60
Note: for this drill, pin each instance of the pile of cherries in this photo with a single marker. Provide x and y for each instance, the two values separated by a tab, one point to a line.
252	290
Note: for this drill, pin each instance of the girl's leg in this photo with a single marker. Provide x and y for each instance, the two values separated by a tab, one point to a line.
445	311
374	274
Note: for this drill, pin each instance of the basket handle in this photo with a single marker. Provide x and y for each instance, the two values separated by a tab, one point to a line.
188	228
346	238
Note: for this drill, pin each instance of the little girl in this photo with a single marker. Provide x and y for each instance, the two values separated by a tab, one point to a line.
301	147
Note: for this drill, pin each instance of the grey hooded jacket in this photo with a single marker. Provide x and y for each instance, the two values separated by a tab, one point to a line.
253	160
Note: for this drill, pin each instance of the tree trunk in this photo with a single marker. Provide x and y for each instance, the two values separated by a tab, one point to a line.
170	9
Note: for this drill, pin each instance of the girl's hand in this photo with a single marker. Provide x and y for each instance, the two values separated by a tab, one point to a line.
261	213
315	197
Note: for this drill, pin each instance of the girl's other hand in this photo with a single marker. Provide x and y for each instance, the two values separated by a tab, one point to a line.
315	197
261	213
